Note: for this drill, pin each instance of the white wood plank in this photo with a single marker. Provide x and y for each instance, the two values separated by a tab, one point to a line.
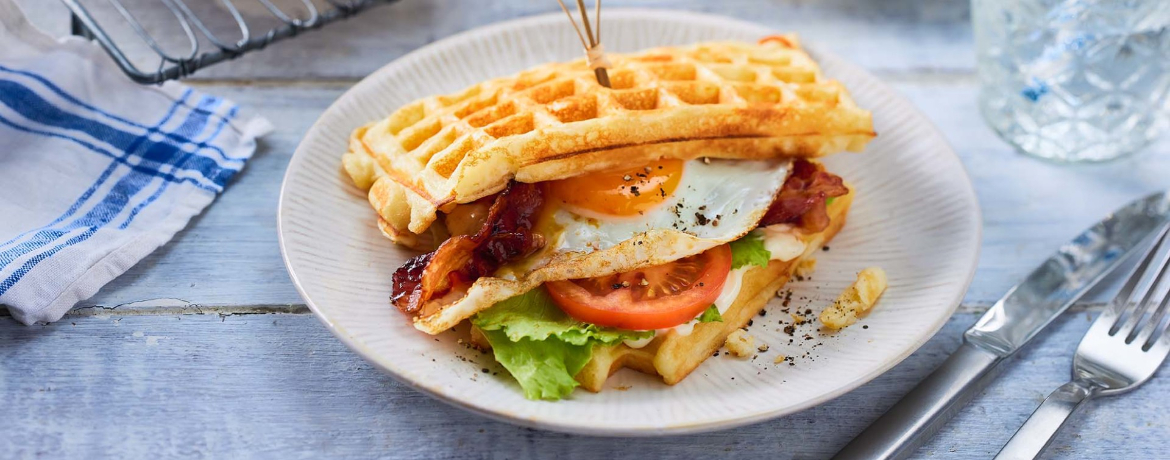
280	386
229	256
895	36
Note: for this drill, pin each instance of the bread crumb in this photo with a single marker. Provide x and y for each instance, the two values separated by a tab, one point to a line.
740	344
797	319
856	300
805	268
763	347
779	359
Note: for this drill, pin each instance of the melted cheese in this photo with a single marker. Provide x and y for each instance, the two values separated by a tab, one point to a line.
782	241
730	289
639	343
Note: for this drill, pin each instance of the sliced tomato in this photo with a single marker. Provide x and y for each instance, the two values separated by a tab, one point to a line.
648	298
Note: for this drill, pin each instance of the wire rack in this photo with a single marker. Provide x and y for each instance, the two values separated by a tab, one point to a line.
227	27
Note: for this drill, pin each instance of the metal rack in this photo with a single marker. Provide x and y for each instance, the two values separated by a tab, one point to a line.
197	32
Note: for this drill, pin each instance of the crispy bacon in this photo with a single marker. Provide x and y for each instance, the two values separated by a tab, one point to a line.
801	201
506	235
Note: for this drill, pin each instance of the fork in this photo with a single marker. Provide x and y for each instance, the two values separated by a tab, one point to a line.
1123	348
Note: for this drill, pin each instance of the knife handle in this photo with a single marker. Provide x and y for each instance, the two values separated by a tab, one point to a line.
924	410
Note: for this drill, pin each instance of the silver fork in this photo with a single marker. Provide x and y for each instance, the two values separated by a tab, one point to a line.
1123	349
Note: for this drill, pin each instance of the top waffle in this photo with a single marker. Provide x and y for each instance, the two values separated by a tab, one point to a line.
717	99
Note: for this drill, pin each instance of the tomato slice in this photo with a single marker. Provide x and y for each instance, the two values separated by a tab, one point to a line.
654	297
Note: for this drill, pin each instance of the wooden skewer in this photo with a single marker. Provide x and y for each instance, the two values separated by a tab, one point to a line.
589	40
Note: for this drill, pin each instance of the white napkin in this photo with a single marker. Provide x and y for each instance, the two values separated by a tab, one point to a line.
96	171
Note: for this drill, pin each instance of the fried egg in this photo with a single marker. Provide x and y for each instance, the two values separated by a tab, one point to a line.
708	200
609	222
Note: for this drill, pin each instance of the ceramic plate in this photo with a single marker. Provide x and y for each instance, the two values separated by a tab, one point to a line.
915	216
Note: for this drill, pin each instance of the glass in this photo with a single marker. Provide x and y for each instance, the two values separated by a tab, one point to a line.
1074	80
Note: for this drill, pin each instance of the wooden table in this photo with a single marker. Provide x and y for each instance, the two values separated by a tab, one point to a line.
204	349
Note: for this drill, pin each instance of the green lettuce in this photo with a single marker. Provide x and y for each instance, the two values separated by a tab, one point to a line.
541	346
711	315
749	250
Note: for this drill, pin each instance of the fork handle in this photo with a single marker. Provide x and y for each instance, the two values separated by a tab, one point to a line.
1039	430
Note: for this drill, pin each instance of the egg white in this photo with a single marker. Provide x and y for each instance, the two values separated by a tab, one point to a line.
714	200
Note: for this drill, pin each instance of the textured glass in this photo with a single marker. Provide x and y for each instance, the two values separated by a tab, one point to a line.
1074	80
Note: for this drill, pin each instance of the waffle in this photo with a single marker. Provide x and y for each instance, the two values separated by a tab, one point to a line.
717	99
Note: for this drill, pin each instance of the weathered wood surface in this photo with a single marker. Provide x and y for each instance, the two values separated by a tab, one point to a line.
279	386
183	368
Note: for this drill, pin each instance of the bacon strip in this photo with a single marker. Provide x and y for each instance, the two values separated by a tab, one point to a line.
801	200
506	235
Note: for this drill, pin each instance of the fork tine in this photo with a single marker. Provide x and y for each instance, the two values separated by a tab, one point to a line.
1138	283
1140	291
1158	338
1160	341
1155	327
1148	315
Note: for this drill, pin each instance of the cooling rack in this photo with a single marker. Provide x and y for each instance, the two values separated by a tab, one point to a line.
227	27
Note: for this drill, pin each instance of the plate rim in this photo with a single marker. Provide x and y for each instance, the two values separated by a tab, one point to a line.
969	196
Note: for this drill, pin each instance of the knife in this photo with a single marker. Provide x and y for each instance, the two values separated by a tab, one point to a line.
1009	325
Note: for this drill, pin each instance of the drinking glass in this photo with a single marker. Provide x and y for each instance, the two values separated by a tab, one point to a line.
1074	80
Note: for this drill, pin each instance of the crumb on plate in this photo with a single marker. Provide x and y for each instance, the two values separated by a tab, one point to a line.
856	300
740	343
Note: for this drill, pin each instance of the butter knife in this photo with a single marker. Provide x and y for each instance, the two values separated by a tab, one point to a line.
1009	325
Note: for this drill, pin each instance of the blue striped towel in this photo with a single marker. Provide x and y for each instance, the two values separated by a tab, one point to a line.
96	171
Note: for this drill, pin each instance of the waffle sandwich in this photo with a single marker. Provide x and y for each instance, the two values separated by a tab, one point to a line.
582	228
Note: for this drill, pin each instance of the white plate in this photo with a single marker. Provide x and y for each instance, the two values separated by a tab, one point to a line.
915	215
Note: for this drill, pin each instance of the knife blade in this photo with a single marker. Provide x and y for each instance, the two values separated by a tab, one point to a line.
1009	325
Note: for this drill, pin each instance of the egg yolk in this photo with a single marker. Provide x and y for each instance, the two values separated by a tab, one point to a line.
621	192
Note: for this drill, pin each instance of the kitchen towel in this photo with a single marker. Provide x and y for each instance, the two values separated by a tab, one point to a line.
96	171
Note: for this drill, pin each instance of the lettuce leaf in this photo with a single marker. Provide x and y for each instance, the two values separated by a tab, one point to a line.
711	315
541	346
749	250
544	368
